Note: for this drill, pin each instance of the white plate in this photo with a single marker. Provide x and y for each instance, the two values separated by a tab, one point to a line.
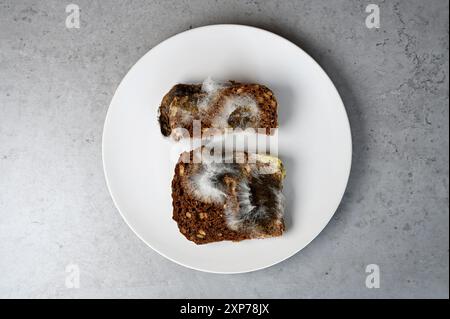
314	135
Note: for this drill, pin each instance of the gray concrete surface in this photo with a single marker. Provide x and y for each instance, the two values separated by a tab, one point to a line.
55	88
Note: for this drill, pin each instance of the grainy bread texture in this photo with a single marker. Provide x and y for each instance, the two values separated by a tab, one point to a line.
228	201
219	107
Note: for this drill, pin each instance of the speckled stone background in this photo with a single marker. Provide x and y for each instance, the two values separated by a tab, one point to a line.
55	209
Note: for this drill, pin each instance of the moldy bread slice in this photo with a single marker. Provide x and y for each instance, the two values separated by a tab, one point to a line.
228	201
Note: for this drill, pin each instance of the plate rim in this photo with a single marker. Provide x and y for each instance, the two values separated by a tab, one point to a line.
272	34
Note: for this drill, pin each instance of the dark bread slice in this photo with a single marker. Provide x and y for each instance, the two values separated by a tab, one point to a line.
239	201
231	105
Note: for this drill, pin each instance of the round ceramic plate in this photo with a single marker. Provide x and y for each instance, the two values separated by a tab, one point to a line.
314	142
